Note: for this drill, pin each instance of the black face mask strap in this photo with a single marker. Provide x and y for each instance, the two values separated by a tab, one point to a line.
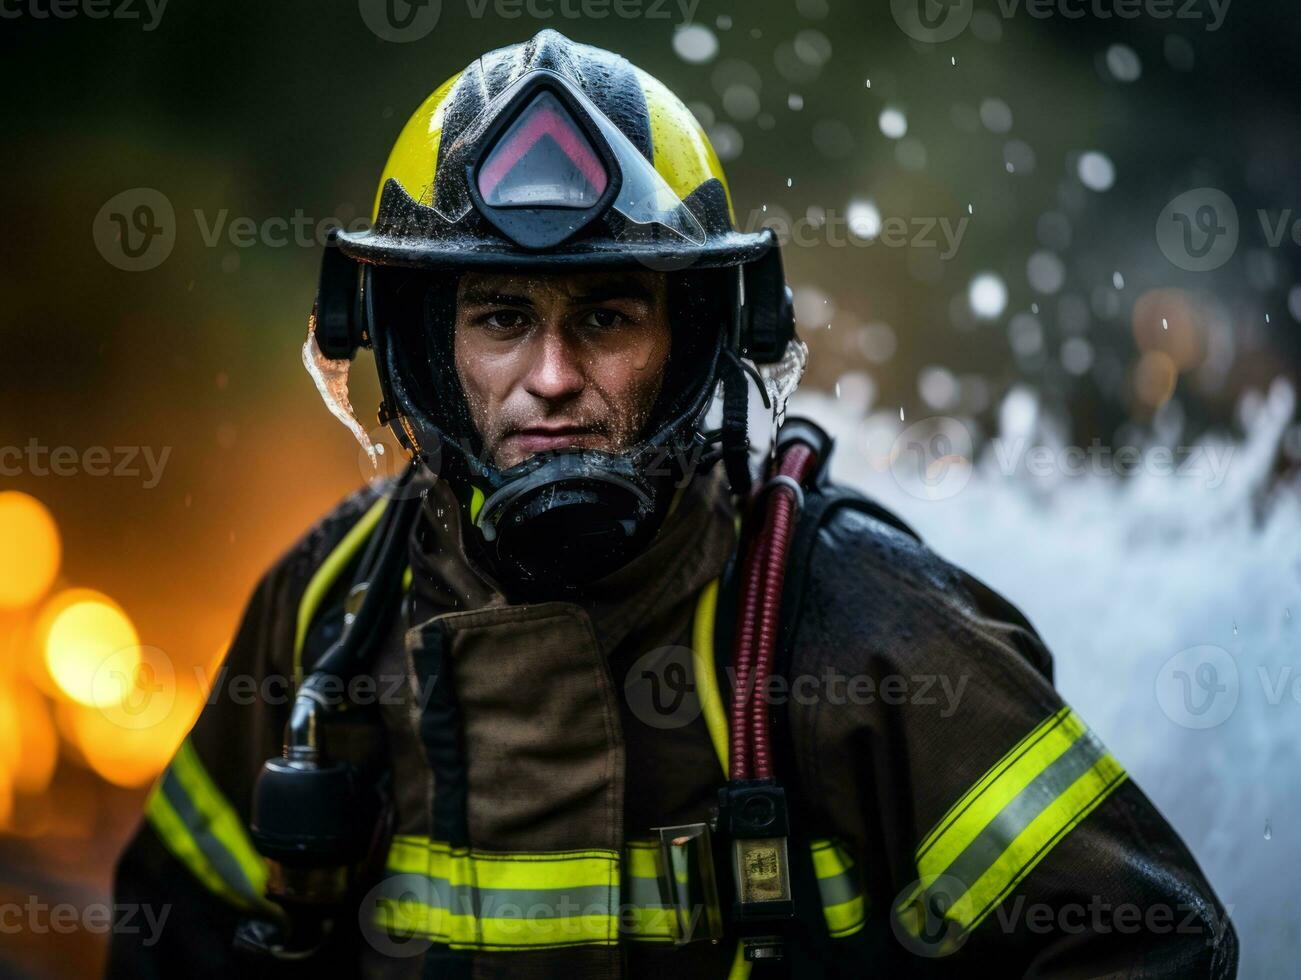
736	437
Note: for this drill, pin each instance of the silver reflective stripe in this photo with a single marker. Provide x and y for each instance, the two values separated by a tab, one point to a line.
538	903
1018	813
841	888
222	861
644	892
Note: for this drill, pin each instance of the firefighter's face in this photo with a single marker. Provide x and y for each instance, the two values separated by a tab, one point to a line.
555	360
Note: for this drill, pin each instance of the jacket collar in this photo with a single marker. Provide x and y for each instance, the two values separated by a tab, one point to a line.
690	549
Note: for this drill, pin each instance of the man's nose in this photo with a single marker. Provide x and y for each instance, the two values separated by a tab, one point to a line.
556	371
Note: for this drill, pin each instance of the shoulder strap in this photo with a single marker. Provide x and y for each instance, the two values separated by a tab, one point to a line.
821	503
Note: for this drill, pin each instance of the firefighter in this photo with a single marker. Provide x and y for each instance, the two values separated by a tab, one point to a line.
578	695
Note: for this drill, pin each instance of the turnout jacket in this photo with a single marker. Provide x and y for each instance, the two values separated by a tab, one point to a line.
949	812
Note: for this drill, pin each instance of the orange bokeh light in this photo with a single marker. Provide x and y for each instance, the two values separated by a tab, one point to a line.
91	649
29	746
1170	322
1154	379
29	549
125	755
6	798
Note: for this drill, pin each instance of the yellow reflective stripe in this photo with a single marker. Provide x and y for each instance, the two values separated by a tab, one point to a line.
204	832
408	854
476	503
224	822
404	917
841	890
470	898
846	918
1025	804
979	787
413	163
702	663
997	788
682	153
171	830
641	859
406	579
740	965
1033	844
649	924
325	576
579	869
828	859
503	869
645	920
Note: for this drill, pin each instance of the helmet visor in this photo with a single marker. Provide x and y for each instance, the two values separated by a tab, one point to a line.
542	145
543	159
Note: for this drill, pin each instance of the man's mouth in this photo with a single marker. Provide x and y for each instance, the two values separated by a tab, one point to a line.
539	438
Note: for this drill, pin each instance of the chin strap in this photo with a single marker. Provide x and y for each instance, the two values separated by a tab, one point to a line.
735	435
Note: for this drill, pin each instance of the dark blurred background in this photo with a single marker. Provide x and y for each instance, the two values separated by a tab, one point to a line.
1047	146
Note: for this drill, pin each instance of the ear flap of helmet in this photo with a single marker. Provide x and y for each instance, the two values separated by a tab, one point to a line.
339	327
768	314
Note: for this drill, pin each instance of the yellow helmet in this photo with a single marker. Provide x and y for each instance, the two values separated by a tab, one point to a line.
548	153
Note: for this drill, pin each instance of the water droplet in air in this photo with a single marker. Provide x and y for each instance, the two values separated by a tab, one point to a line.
1034	307
1118	280
790	182
1269	832
1235	627
1267	318
869	83
1165	324
970	210
955	62
900	413
837	389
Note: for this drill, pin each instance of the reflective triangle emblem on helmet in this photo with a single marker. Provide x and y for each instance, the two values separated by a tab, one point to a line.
542	160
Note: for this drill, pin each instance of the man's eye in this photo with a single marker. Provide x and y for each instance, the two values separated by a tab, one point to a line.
505	320
603	318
